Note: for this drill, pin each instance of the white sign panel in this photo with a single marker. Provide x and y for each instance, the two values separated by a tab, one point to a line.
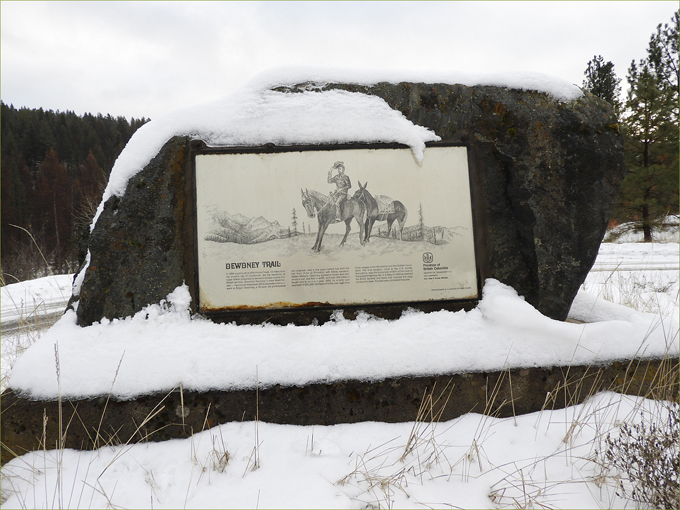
333	227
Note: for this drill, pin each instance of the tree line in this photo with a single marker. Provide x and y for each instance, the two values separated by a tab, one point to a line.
55	166
649	122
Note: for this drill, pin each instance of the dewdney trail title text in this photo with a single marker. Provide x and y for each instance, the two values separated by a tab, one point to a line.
253	265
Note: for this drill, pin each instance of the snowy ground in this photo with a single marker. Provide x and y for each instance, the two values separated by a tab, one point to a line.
630	233
32	298
539	460
27	309
545	458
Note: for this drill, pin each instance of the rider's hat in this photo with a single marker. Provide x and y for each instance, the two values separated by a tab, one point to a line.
338	164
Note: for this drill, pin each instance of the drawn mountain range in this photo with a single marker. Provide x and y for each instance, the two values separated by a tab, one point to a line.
236	228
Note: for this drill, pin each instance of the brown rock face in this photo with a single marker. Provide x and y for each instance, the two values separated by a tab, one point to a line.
546	175
137	248
176	414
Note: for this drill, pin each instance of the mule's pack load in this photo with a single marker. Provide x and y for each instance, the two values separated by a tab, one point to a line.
385	206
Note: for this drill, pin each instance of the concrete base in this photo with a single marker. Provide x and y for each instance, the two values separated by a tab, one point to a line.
100	421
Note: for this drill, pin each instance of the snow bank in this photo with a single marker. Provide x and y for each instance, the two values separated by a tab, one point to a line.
631	232
474	461
31	298
257	115
163	346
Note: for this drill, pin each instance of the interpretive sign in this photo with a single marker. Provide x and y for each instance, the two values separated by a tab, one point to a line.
333	227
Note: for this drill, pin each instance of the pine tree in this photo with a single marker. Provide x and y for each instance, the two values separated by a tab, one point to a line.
650	190
89	185
294	222
421	222
601	80
53	208
14	174
663	53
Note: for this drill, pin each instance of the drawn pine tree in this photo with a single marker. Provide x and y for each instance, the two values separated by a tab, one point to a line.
294	223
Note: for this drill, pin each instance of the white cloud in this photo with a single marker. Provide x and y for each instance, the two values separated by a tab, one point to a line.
145	58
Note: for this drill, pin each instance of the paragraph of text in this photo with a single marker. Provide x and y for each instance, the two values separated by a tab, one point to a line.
323	276
391	273
256	280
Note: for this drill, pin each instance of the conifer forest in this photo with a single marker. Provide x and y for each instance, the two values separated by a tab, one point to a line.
55	166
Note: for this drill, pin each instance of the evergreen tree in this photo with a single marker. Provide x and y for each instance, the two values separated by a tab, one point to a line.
601	80
53	206
663	53
89	185
650	190
294	222
14	203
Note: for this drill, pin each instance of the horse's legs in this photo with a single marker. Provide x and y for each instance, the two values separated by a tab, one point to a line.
319	235
369	228
347	229
401	221
361	231
317	243
389	226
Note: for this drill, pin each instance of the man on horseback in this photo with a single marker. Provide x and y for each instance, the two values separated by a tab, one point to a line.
342	183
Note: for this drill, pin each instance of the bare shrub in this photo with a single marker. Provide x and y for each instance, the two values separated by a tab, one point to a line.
646	455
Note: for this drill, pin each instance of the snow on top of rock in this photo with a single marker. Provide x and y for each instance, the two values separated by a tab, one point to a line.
257	115
151	352
287	76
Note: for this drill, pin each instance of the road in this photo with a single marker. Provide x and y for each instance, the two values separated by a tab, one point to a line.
34	322
34	305
42	318
632	266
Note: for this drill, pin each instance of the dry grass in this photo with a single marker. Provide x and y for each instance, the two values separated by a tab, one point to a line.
638	289
379	476
524	483
254	459
52	455
585	434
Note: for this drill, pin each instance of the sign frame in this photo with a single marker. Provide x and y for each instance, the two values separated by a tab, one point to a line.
314	313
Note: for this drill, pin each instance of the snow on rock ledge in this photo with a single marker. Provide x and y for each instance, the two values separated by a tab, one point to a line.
257	115
162	347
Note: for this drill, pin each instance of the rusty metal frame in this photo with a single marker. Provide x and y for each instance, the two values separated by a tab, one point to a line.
305	314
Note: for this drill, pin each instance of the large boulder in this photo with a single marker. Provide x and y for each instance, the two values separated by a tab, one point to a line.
137	248
546	174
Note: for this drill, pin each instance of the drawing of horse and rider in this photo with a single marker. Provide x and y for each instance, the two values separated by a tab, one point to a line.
362	206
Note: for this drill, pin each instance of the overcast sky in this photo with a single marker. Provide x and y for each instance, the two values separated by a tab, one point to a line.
146	58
